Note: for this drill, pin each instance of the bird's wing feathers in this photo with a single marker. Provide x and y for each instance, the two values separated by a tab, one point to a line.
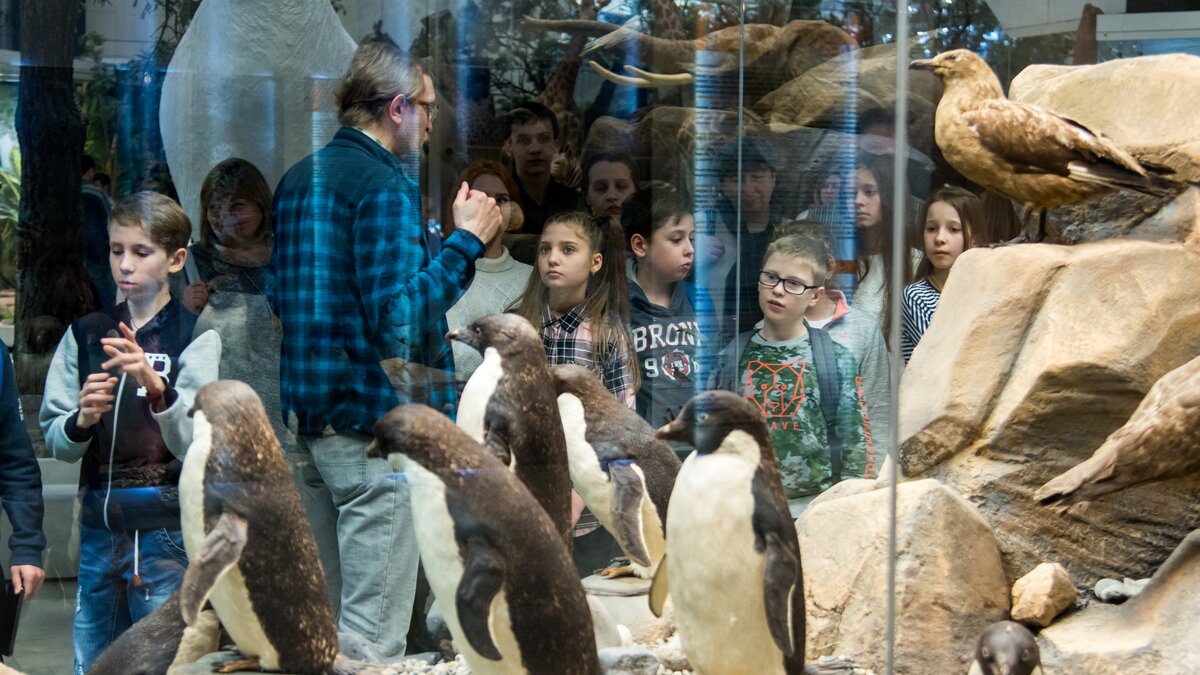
628	491
659	588
482	579
775	537
221	549
779	583
1030	136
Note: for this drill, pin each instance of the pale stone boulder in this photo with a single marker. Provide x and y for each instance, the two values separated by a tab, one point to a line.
1035	354
1154	632
1149	105
1042	594
950	583
251	79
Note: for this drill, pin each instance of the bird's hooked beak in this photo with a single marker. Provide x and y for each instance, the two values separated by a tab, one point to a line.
675	430
923	64
373	451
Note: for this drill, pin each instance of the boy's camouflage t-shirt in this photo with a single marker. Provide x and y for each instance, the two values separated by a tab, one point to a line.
779	377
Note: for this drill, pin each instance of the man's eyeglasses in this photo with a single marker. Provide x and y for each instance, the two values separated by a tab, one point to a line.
793	286
431	108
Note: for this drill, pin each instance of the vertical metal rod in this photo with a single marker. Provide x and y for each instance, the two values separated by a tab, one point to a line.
899	250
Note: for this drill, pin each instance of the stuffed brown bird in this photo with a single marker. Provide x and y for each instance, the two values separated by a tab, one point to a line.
1025	152
1161	440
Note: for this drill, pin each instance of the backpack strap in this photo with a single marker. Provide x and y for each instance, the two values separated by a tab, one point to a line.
828	385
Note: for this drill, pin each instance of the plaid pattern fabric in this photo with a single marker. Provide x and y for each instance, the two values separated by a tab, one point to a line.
354	281
568	339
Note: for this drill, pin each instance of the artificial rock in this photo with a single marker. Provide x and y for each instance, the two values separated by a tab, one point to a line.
1154	632
241	84
1035	355
1042	594
949	583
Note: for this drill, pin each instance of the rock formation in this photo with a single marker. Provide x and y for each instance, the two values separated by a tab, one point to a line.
1154	632
1042	594
1035	355
949	585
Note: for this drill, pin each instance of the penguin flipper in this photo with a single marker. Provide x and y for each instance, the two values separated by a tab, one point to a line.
781	571
482	579
219	551
628	492
659	588
495	439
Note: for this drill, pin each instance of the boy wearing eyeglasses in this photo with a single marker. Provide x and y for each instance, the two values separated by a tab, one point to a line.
777	370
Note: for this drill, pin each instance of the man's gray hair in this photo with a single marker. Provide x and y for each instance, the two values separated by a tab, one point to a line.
379	72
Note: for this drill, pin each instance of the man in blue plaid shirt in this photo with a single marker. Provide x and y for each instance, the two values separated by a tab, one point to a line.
363	299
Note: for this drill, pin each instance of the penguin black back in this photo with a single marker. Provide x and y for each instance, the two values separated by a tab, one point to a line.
506	546
610	420
246	476
520	419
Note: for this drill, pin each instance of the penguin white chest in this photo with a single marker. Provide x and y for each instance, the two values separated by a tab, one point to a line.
229	595
444	568
715	573
477	393
587	477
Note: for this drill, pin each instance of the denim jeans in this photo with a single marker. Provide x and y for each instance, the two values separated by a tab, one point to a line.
362	521
107	602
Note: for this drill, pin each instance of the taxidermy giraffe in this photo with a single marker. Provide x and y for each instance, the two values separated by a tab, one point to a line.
559	96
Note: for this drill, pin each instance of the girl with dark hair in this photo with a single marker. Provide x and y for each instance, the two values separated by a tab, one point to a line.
950	219
608	180
873	211
579	299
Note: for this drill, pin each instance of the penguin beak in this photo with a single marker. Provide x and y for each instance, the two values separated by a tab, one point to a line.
373	451
464	335
675	430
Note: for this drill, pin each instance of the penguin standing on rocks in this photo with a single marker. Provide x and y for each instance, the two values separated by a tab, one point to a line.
624	474
733	558
509	406
1006	648
505	582
250	550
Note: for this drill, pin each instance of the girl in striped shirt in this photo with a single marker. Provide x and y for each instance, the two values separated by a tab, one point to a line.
951	214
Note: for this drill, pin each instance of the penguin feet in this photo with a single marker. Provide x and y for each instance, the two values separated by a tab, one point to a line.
615	572
245	663
617	567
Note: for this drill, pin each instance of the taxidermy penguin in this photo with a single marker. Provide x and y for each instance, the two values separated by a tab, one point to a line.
733	558
624	474
509	406
507	586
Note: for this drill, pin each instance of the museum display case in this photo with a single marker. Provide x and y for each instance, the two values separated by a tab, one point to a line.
940	257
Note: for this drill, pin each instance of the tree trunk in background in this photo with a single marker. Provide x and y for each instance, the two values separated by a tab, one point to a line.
52	289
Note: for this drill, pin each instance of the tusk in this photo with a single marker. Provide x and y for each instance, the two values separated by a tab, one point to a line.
661	79
642	79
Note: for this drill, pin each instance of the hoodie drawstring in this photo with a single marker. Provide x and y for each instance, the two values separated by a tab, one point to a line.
137	579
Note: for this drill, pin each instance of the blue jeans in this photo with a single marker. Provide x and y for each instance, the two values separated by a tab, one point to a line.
107	602
362	521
